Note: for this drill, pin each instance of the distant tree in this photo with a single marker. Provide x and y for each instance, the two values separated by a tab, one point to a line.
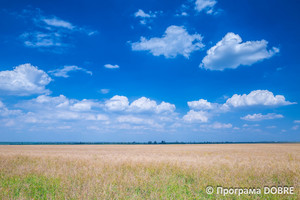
163	142
154	142
150	142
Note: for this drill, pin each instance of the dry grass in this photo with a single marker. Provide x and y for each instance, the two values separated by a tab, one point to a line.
145	171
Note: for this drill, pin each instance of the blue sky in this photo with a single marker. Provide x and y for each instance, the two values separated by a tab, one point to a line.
201	70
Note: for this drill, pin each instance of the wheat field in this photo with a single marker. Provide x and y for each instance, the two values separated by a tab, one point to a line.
146	171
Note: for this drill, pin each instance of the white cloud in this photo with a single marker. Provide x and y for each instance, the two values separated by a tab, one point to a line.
175	41
51	112
58	23
205	5
260	117
196	116
41	39
145	17
24	80
257	97
143	104
296	127
165	107
201	104
4	111
83	105
134	120
230	53
64	72
297	121
109	66
217	125
50	32
117	103
142	14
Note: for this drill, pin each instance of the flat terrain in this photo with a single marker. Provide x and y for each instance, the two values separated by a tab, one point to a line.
146	171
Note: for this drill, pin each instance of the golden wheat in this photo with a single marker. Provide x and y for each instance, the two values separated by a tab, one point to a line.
145	171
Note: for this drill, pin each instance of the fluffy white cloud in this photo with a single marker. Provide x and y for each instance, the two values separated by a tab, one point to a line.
196	116
297	121
24	80
117	103
51	112
109	66
83	105
201	104
64	72
257	97
230	53
165	107
260	117
143	104
175	41
205	5
142	14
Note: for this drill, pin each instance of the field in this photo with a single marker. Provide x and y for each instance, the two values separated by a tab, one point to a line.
146	171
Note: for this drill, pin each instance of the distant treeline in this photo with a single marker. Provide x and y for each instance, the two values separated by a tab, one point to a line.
132	143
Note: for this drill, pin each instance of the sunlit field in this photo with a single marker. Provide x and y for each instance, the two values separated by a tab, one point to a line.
146	171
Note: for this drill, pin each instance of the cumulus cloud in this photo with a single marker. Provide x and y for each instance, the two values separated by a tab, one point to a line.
110	66
175	41
47	111
143	104
24	80
83	105
64	72
196	117
260	117
231	52
201	104
165	107
205	5
117	103
203	109
257	97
